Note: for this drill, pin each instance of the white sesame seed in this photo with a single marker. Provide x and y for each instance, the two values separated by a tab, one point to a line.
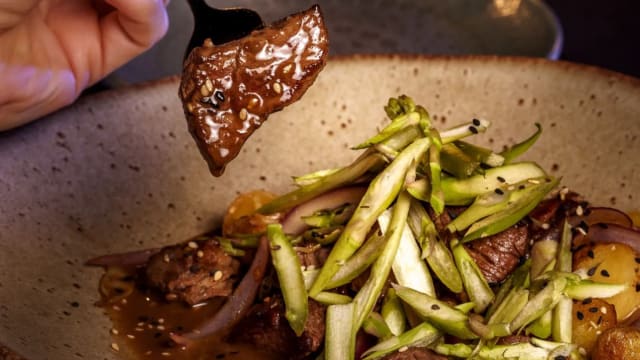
243	114
403	349
130	336
160	327
277	88
123	301
165	258
161	321
193	244
533	181
165	353
115	347
190	107
116	307
579	211
546	226
286	69
204	91
209	85
114	331
218	275
200	253
598	332
139	329
581	230
603	309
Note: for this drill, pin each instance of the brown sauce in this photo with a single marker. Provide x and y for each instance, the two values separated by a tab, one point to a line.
143	320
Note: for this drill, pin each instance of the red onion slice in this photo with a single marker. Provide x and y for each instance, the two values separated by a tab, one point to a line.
237	304
605	215
613	233
293	224
132	258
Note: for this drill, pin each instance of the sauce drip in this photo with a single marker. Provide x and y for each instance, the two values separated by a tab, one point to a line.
143	320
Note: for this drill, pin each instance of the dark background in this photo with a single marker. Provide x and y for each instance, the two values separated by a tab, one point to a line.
601	33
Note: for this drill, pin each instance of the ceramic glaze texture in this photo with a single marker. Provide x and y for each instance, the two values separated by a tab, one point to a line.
118	171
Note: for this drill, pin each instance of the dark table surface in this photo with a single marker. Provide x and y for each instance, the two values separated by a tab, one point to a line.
601	33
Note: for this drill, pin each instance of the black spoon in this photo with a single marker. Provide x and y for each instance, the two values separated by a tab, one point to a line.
220	25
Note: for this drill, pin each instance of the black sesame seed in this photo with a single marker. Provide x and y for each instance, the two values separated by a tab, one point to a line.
604	273
638	287
599	320
580	315
593	309
499	191
473	129
591	254
592	270
476	122
435	307
587	301
521	187
219	95
501	179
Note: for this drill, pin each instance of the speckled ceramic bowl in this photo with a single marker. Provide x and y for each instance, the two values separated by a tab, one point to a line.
118	171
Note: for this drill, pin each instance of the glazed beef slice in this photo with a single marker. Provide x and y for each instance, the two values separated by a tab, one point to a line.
228	91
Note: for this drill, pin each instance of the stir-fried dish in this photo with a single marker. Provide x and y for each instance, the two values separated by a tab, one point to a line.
426	246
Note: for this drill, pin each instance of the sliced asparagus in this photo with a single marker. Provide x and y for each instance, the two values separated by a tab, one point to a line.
422	335
381	192
339	343
287	266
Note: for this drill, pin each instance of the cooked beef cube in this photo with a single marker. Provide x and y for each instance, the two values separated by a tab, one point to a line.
312	256
498	255
415	353
193	272
228	90
267	328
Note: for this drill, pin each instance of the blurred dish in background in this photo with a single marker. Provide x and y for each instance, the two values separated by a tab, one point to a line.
454	27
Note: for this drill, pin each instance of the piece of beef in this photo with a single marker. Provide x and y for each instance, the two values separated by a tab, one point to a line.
228	91
415	353
498	255
193	272
267	328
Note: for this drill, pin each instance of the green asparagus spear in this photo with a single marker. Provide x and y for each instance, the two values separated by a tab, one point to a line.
287	266
562	317
392	313
375	325
516	150
379	195
370	292
339	343
438	313
422	335
474	282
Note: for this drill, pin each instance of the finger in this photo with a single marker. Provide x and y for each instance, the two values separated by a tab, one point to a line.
12	12
133	28
29	92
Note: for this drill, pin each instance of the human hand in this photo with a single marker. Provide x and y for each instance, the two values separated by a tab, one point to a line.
50	50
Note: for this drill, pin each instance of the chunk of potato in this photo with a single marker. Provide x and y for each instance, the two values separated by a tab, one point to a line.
618	343
591	317
241	217
613	264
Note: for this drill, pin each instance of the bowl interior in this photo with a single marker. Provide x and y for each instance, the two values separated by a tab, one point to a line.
118	171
